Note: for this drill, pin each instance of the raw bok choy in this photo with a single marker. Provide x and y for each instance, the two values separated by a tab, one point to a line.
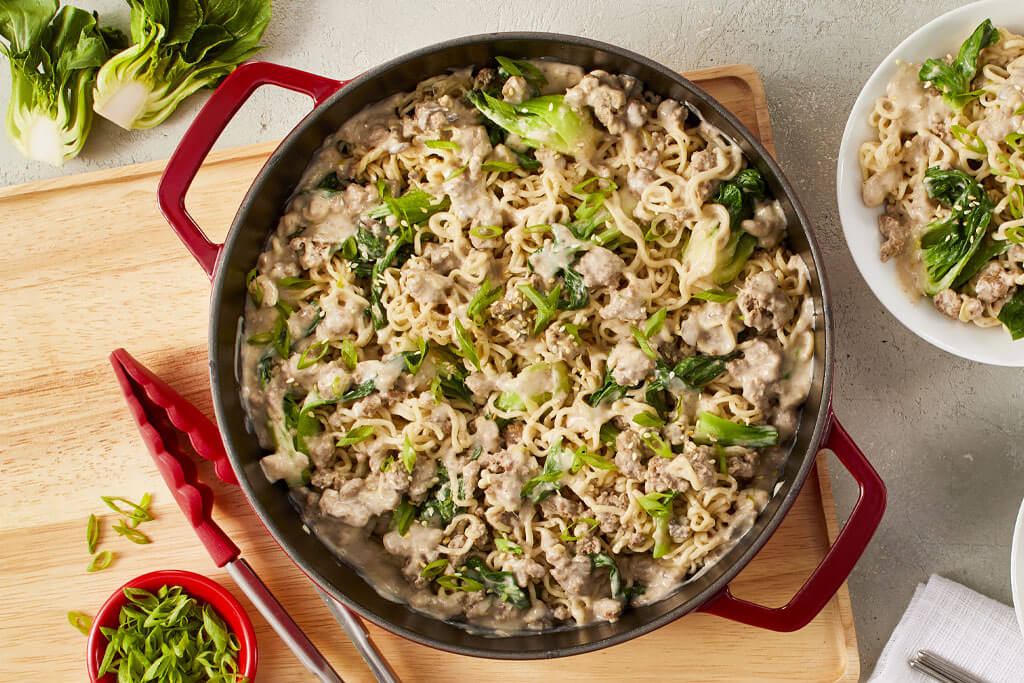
545	121
54	57
179	47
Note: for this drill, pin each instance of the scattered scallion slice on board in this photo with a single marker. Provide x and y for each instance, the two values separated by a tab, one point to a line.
92	533
100	561
80	621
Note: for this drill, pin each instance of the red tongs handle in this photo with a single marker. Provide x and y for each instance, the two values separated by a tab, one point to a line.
164	417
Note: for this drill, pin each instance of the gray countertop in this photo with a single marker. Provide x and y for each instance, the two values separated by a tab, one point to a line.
945	434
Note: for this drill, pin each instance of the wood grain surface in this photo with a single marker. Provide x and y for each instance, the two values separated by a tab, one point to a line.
89	265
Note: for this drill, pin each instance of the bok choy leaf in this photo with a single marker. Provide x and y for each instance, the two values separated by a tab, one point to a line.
179	47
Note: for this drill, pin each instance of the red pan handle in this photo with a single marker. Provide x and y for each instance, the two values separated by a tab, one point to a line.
837	564
209	124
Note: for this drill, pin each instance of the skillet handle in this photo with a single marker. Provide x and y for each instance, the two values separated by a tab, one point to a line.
837	564
209	124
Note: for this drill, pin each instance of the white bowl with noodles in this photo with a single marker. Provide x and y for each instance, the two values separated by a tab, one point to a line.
937	38
1017	567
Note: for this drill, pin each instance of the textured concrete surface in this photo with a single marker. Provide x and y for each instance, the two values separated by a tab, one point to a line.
946	434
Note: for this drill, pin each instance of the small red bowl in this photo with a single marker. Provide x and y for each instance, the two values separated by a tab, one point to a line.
199	587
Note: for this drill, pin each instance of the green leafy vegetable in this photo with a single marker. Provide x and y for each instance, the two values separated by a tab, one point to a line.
728	260
711	429
332	182
507	546
608	432
439	509
648	420
598	560
482	300
356	435
540	122
179	47
451	376
1012	315
362	391
547	482
517	67
415	207
948	244
100	561
989	250
610	390
54	57
739	193
169	636
80	621
264	367
954	80
501	584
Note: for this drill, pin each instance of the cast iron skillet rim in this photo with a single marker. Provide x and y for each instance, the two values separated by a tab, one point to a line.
825	315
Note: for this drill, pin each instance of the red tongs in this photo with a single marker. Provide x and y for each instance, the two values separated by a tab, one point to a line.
164	417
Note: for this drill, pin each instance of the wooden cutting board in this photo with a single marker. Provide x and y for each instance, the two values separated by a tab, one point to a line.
89	265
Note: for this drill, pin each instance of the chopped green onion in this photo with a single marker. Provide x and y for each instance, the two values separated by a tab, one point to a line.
356	435
655	323
320	348
723	467
653	234
403	516
455	174
255	292
80	621
1015	201
536	229
169	636
574	331
136	512
582	186
432	569
507	546
459	582
466	344
349	355
92	533
295	283
591	524
133	535
648	420
969	140
1015	235
487	232
482	300
441	144
1014	172
657	444
436	390
716	295
100	561
1015	141
582	457
260	339
547	306
408	455
498	167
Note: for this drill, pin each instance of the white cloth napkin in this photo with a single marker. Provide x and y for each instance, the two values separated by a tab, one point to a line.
970	630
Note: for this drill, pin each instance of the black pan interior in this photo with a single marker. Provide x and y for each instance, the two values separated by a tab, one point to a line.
258	216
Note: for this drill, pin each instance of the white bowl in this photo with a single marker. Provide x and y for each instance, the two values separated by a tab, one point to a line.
860	224
1017	568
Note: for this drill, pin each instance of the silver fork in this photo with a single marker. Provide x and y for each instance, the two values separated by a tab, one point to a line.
930	664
